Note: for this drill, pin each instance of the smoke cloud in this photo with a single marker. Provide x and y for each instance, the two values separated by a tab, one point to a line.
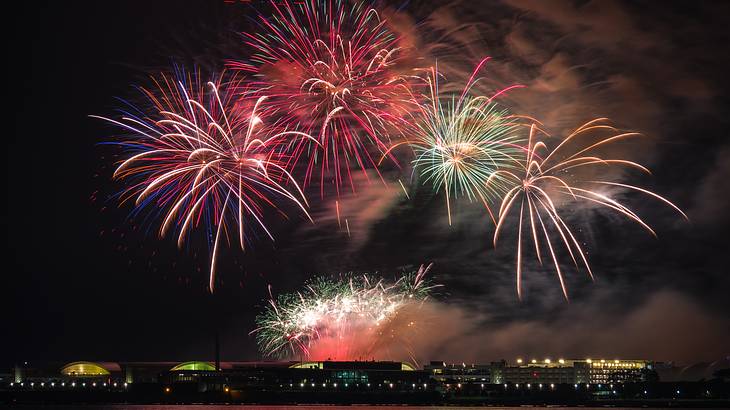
676	327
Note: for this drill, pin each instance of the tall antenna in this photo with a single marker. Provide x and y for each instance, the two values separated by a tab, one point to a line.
217	352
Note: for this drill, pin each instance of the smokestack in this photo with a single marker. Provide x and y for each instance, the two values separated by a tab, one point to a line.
217	352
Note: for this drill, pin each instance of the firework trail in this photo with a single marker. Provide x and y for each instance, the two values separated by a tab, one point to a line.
459	142
332	70
345	319
547	183
203	155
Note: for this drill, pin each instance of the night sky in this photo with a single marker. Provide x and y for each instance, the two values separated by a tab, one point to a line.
86	280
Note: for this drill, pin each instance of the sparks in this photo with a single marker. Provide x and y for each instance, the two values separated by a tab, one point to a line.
350	315
460	142
547	183
332	69
203	156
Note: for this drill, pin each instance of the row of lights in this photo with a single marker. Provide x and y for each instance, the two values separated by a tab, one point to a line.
552	385
540	385
458	385
167	389
63	384
562	361
546	361
529	385
302	385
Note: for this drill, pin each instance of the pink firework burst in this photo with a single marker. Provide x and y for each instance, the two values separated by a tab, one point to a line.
333	70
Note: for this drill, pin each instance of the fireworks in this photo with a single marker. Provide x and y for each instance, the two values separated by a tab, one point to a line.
460	143
204	156
345	318
330	69
546	184
330	91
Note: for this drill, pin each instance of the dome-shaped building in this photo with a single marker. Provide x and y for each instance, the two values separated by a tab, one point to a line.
194	366
88	369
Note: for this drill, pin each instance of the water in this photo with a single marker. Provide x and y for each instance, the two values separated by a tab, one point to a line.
311	407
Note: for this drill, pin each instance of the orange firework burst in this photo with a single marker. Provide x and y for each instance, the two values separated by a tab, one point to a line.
545	185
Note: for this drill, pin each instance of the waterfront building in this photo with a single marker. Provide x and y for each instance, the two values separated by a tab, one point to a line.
571	371
454	373
334	375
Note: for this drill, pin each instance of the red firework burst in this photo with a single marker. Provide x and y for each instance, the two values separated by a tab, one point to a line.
333	71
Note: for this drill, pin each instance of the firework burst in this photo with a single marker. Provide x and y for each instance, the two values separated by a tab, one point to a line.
345	318
203	155
459	143
548	182
330	69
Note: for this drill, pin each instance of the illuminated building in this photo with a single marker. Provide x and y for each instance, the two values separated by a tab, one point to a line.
88	369
194	366
465	373
203	376
543	371
577	371
528	381
616	371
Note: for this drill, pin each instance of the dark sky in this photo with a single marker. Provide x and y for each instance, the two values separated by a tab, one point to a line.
87	282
